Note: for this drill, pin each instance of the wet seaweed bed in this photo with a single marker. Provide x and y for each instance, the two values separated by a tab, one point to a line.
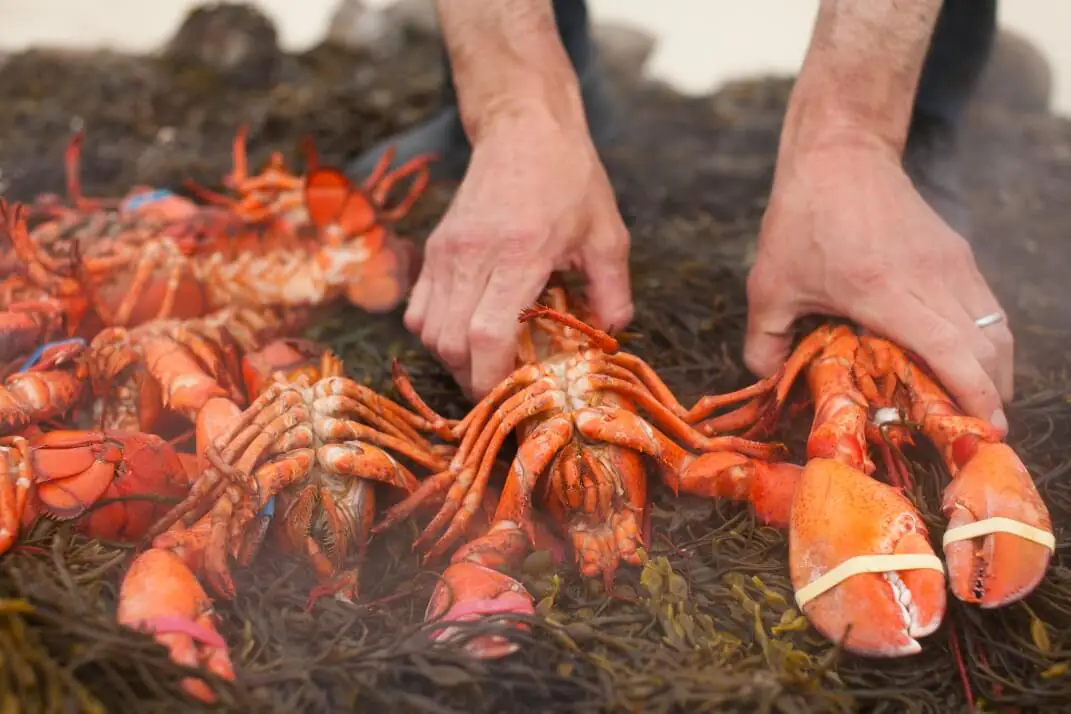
708	624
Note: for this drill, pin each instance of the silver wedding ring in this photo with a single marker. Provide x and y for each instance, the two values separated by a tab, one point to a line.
988	320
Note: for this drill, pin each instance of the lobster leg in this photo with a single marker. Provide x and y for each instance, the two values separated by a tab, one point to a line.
680	429
721	474
382	187
240	162
380	412
72	164
475	584
705	406
465	495
238	437
41	269
479	428
1000	539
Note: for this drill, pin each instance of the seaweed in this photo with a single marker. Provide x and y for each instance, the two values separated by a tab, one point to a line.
709	623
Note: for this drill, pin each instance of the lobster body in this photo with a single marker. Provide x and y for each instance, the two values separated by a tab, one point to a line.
576	403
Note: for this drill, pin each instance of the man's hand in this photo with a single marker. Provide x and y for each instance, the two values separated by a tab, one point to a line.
535	199
847	234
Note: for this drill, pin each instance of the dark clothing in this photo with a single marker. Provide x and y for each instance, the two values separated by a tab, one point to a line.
961	44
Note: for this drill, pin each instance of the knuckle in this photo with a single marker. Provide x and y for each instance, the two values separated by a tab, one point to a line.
517	246
942	340
617	244
467	243
487	334
413	322
434	248
986	353
453	352
429	337
622	317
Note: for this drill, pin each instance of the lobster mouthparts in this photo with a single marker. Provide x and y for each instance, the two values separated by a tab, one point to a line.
861	563
999	538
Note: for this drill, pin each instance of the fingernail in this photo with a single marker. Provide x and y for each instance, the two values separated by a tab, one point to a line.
999	420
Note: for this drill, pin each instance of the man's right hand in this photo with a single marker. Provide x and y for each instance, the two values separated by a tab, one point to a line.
535	199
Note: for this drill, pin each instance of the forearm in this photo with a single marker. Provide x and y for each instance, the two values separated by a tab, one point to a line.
507	59
859	78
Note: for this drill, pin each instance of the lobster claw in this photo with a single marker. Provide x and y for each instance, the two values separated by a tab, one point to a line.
999	538
861	563
469	591
160	596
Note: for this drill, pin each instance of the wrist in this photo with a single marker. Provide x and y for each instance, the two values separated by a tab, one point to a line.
858	82
508	64
827	118
533	100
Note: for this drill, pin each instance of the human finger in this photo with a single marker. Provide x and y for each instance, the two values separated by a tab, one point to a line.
468	280
494	327
441	293
978	301
605	258
770	317
906	320
416	310
416	314
949	307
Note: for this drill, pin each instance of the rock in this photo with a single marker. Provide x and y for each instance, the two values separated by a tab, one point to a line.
357	27
1018	75
234	40
623	49
415	16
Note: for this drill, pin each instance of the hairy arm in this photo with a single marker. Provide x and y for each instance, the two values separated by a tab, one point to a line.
858	81
508	60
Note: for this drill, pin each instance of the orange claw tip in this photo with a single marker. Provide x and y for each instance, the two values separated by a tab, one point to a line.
999	540
470	591
861	562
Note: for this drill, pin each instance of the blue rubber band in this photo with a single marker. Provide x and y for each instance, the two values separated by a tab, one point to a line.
37	354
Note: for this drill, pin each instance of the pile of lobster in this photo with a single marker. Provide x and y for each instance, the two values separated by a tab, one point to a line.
137	323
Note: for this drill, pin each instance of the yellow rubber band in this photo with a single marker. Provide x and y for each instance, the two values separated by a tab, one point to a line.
1000	524
858	565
